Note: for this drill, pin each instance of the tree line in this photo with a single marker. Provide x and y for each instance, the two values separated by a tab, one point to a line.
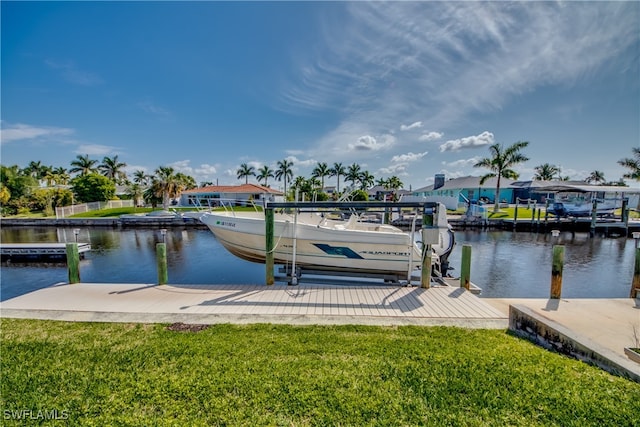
87	180
313	187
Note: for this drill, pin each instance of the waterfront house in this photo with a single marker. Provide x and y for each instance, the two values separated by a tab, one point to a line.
460	191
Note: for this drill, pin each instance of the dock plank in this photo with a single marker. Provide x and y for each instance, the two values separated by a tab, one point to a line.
387	304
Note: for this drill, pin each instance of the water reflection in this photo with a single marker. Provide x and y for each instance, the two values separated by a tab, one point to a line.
504	264
517	265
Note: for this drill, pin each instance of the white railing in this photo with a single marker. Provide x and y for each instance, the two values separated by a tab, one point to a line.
66	211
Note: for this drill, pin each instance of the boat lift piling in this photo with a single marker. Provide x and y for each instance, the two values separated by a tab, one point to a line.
594	217
73	263
268	212
429	210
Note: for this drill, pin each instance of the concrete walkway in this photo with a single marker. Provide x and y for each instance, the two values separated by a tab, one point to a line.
605	326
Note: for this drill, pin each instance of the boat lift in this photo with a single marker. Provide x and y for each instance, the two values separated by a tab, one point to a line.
429	231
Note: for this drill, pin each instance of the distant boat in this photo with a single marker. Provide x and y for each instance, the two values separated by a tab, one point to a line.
326	244
154	214
581	204
159	217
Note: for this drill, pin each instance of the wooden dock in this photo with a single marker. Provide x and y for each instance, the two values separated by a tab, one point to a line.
308	304
39	251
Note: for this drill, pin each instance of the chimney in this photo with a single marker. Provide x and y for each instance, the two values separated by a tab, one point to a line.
438	181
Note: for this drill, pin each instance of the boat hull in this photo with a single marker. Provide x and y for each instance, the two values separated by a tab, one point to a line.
319	244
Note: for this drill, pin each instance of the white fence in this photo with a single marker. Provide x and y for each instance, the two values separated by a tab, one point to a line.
66	211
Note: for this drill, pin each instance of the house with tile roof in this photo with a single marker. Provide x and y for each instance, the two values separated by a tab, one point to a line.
215	195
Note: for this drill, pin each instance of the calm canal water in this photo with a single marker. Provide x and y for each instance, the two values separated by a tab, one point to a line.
504	264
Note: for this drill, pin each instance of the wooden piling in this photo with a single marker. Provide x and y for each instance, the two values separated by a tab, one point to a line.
635	283
625	212
465	268
515	215
546	212
556	272
161	259
533	216
269	259
594	217
73	262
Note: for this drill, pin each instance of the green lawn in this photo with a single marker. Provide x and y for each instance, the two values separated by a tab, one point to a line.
125	374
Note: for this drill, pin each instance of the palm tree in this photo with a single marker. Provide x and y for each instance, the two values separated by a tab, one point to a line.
60	176
113	169
299	183
633	164
596	177
83	165
320	171
500	163
264	173
284	172
546	172
245	171
187	182
35	169
49	176
394	183
141	177
136	192
166	184
353	174
366	180
338	170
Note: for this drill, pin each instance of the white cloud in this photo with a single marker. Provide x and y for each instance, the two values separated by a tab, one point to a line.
415	125
205	169
399	169
153	108
130	169
370	143
485	138
431	136
301	163
462	162
202	173
95	150
19	131
256	165
453	174
384	61
409	157
181	166
70	72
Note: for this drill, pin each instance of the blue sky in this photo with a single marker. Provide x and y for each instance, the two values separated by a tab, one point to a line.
403	88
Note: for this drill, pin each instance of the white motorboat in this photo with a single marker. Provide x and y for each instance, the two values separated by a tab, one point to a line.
581	204
314	241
